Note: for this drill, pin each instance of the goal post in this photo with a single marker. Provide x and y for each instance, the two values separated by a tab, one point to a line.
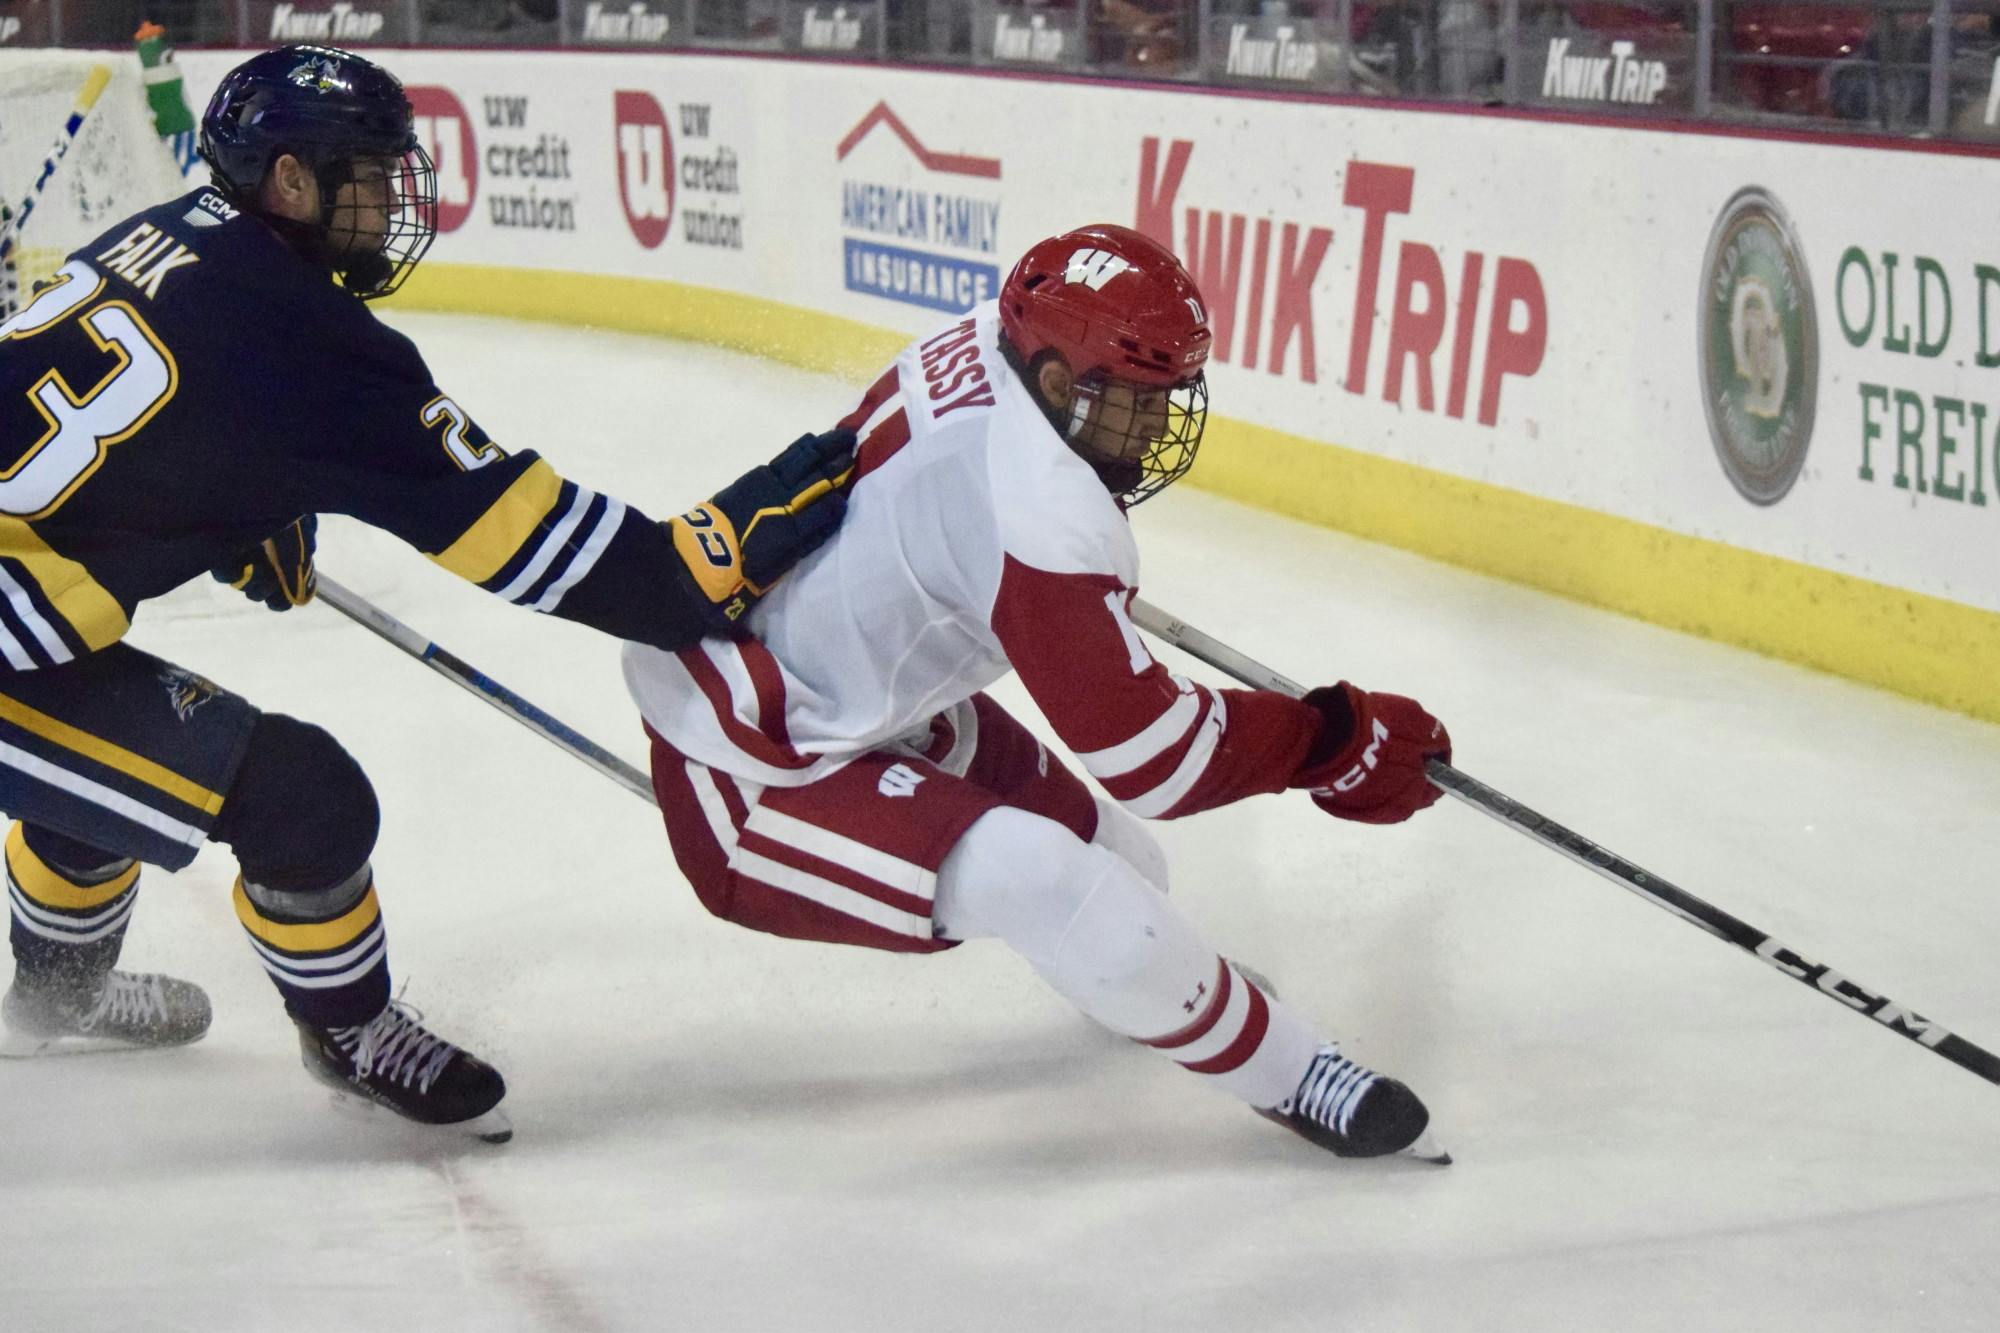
115	165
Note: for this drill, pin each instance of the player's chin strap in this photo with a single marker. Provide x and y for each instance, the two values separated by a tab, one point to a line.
1903	1022
483	687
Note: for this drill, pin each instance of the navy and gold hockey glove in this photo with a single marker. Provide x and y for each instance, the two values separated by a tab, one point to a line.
279	573
756	528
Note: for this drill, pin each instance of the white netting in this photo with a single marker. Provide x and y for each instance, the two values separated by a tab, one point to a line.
116	166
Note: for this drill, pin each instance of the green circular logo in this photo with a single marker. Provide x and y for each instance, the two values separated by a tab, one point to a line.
1759	347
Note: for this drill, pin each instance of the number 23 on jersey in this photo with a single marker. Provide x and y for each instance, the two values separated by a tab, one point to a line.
138	377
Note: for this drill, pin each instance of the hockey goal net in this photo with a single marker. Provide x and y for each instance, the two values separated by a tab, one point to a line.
115	166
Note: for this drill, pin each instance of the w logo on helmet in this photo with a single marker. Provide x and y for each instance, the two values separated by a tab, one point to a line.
1094	268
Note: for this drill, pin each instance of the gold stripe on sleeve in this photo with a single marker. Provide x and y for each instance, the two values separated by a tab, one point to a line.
77	597
509	521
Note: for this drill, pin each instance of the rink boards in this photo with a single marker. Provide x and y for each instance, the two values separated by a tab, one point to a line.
1736	385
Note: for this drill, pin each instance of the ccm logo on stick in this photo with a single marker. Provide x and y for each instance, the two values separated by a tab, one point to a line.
1883	1010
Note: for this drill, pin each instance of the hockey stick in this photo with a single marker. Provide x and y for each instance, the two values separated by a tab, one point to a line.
483	687
1891	1015
10	225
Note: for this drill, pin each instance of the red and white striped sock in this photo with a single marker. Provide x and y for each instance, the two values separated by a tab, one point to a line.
1247	1042
1117	948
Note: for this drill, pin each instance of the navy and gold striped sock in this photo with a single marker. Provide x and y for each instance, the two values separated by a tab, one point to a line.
66	924
326	952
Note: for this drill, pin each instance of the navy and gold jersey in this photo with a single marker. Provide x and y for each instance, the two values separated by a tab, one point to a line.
189	385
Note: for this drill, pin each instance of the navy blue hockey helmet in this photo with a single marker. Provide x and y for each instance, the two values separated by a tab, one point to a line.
348	120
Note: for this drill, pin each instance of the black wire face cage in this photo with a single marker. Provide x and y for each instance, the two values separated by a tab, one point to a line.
375	239
1134	477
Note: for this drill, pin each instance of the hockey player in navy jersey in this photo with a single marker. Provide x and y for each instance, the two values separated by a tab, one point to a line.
191	390
844	777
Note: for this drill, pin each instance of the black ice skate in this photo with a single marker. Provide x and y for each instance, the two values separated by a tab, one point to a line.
1352	1111
114	1011
395	1061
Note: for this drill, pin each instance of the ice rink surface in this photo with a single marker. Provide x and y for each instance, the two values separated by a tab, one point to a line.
716	1130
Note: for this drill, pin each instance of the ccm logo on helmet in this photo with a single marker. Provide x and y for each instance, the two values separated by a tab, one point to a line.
1094	268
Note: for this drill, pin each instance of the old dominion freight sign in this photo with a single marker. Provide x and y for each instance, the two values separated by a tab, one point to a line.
1759	347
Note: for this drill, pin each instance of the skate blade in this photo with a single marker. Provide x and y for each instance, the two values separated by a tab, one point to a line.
23	1046
491	1127
1427	1149
27	1046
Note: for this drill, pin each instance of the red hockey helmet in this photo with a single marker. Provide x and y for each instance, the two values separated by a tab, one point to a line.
1120	310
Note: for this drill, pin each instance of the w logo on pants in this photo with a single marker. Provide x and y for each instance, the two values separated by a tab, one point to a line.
898	780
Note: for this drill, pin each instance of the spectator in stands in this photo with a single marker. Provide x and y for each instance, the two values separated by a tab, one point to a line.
1886	82
1150	34
112	22
737	20
1772	50
1468	45
1396	51
1975	49
1326	10
928	29
489	20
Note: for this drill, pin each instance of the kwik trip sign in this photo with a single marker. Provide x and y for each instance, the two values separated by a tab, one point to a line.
328	22
629	22
1011	34
1646	70
853	28
1408	332
1259	49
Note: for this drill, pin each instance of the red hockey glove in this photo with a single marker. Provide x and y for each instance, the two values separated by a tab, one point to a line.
1368	764
278	573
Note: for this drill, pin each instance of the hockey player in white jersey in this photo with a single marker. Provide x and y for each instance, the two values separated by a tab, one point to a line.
841	777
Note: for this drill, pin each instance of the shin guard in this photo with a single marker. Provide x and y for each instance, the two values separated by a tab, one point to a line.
326	952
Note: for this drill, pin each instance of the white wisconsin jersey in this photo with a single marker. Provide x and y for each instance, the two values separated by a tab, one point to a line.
891	622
